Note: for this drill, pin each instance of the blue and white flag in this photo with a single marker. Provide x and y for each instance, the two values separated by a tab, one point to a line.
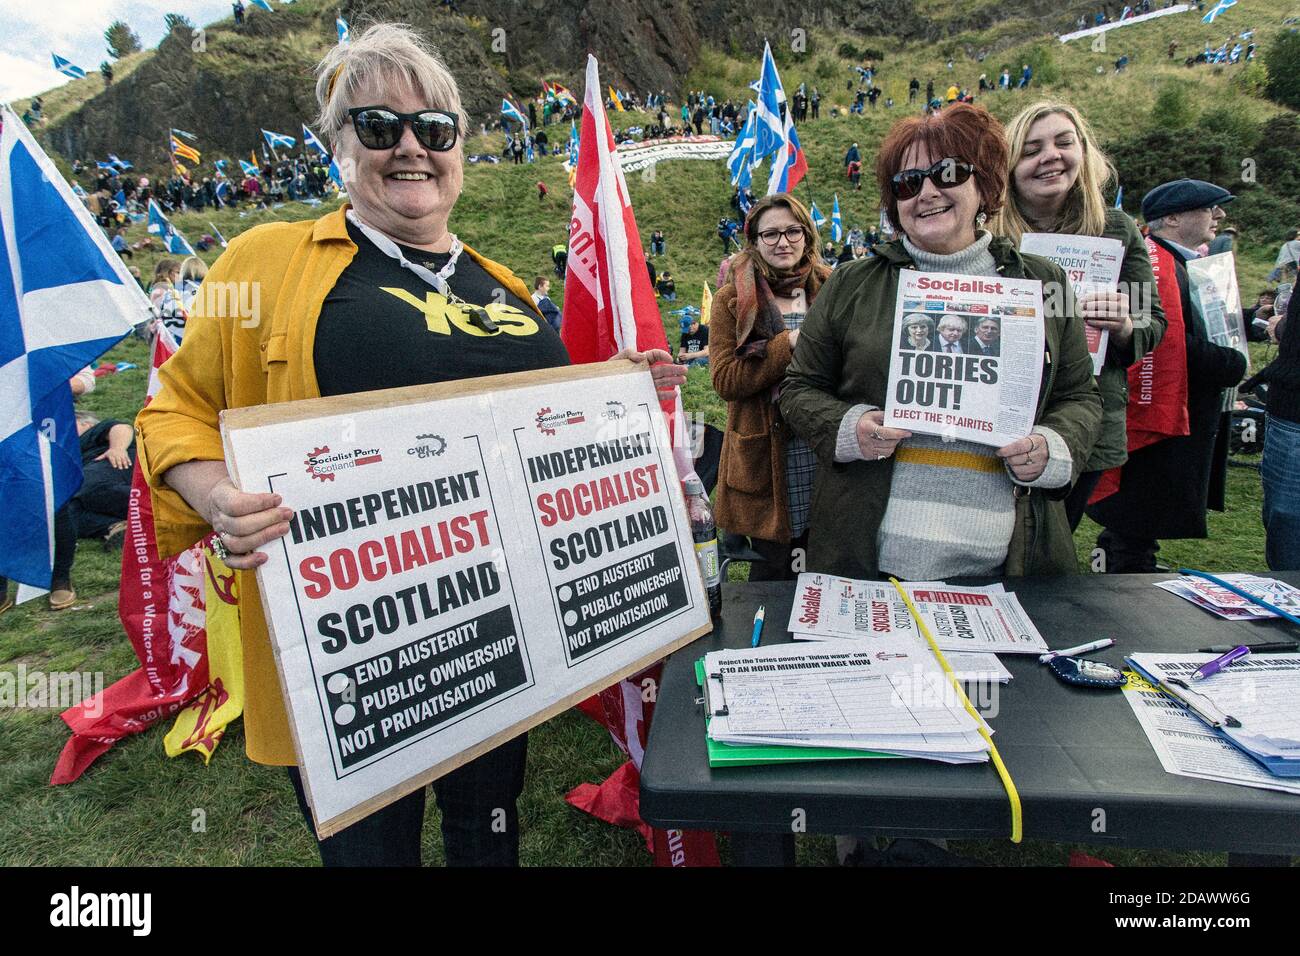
742	154
311	141
344	33
789	165
278	139
336	176
248	168
573	144
121	164
818	219
769	130
837	225
216	234
172	240
65	299
68	68
1219	8
184	135
509	111
263	4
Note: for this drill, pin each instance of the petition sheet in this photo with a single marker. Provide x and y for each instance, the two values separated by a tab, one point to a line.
1188	748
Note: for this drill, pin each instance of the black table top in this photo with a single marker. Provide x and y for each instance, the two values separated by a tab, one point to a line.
1080	760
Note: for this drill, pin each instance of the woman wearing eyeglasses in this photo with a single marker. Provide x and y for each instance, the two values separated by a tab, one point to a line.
765	476
887	501
378	294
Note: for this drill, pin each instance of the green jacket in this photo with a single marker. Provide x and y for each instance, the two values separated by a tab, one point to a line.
842	359
1137	279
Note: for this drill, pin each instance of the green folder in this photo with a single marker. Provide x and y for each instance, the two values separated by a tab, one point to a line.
748	755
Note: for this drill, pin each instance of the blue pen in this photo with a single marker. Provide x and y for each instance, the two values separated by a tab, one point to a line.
1219	663
758	627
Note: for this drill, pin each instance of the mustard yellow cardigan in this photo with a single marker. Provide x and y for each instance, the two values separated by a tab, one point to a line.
231	362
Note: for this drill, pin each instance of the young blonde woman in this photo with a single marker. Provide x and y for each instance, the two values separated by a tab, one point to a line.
1056	184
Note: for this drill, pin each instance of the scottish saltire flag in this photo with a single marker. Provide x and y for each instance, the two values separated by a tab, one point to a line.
1119	198
311	141
221	164
510	111
1219	8
190	136
263	4
278	139
818	218
68	68
769	130
336	176
216	234
121	164
837	224
740	160
65	299
344	33
789	165
172	240
248	168
79	192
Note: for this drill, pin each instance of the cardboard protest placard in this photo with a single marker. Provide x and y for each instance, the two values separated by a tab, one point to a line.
967	356
465	560
1092	264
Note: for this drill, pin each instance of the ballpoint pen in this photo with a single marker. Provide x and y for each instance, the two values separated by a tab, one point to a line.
1081	649
1270	646
1219	663
758	627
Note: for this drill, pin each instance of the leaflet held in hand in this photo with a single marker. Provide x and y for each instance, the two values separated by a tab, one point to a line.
1092	264
968	356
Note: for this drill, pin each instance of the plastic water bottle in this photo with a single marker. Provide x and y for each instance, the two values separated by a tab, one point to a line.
705	533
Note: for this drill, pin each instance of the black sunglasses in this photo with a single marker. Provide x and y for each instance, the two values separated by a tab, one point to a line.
378	127
945	174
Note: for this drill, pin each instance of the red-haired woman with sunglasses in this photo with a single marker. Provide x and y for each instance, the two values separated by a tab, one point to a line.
378	294
887	501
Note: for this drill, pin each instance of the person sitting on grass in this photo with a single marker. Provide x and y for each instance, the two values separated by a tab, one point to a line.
694	347
667	287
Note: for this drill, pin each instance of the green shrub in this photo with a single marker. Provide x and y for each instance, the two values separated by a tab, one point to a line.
1043	59
1173	107
1283	63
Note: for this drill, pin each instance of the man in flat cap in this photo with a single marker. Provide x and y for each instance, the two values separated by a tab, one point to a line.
1177	425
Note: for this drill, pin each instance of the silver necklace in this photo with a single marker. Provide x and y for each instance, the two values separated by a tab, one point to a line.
387	246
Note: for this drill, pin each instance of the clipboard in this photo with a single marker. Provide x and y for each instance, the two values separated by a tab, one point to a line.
1277	766
749	755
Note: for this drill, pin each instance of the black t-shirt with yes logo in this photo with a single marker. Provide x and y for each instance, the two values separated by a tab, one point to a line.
382	326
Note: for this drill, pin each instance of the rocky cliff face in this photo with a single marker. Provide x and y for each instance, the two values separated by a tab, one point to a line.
228	83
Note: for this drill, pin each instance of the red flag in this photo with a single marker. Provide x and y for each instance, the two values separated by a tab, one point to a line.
1157	384
609	305
161	605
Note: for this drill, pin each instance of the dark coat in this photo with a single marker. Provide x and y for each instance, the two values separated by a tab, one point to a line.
1165	488
842	360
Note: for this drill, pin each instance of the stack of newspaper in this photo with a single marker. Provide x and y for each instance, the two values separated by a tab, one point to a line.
801	695
975	620
1227	604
